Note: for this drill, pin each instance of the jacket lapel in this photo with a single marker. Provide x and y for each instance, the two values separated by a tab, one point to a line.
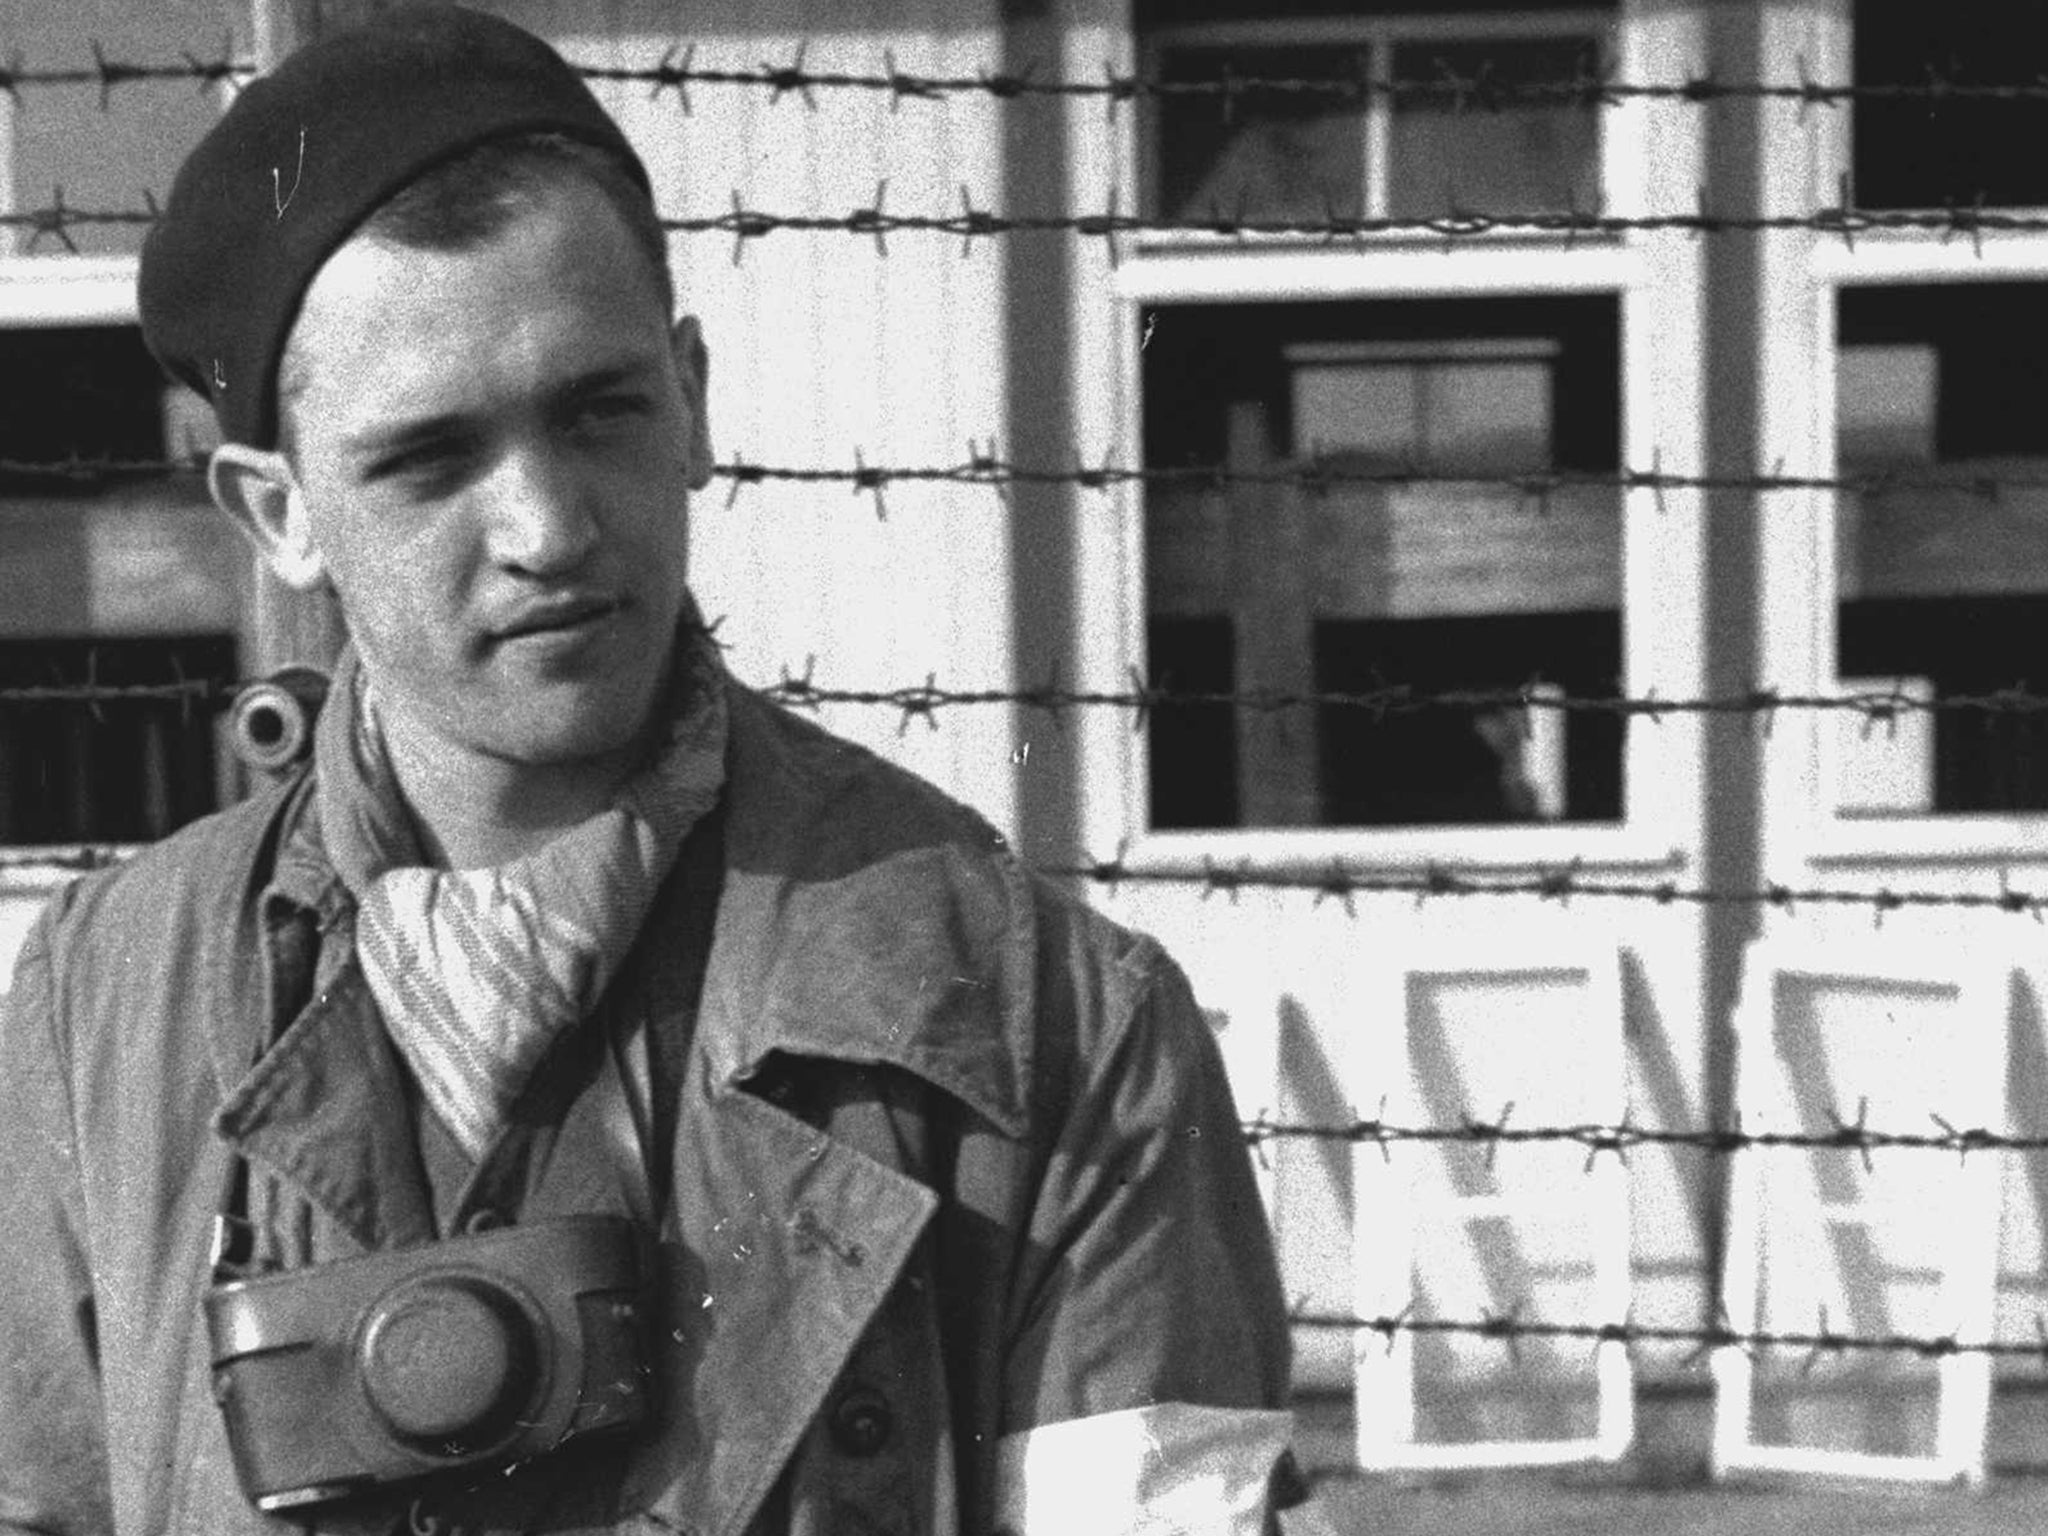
783	1246
325	1110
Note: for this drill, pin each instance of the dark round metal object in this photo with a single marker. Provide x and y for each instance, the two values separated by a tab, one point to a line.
448	1360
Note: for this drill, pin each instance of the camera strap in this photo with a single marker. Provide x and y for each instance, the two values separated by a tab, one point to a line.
641	1117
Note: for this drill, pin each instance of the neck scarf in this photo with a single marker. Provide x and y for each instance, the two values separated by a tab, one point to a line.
478	972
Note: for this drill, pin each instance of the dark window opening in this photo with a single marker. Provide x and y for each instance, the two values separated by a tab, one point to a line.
1464	765
76	397
120	770
1984	760
1193	759
1279	579
1202	360
1944	591
1918	151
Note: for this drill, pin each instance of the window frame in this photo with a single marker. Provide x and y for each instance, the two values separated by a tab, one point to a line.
1655	276
49	289
1379	34
1803	276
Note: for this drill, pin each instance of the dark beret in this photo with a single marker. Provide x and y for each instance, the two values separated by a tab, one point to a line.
304	155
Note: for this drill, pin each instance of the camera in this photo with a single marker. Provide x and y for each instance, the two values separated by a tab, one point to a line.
353	1376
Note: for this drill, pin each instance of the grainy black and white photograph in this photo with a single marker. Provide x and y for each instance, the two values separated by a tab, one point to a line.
1025	768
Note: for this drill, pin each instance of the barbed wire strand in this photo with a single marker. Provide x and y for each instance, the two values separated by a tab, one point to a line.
1823	1341
1316	476
1337	882
1435	883
58	219
1622	1137
1483	89
1878	708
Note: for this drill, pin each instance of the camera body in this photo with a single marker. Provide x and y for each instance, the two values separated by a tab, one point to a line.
348	1377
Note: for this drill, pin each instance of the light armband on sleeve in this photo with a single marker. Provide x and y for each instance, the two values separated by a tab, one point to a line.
1174	1469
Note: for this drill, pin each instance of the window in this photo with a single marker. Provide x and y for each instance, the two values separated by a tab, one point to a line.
1373	114
1282	578
134	769
1944	591
107	576
1910	153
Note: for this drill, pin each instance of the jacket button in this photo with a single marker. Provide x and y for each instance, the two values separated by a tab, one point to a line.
862	1422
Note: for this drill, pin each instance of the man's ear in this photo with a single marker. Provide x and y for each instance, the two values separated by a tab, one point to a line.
693	365
258	490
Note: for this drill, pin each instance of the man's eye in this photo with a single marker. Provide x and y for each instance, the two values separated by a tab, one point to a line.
606	410
419	464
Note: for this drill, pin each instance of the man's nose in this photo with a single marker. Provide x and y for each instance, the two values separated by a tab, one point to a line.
541	519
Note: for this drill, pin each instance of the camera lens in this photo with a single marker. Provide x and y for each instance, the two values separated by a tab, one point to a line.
448	1360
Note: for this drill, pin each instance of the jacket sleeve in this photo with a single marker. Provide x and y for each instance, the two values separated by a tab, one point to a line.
53	1475
1146	1384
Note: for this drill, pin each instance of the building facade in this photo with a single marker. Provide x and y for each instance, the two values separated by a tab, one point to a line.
1371	374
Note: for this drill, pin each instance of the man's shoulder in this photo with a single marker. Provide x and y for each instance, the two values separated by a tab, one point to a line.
806	776
202	873
869	891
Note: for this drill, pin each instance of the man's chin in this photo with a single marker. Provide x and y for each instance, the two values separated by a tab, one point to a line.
562	743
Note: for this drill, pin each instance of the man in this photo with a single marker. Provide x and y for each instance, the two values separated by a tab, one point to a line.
942	1219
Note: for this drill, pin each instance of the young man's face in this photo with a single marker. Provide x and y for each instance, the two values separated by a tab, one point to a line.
492	453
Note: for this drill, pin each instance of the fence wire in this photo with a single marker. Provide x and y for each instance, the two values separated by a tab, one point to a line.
57	219
1624	1136
1335	881
986	468
1344	885
1822	1342
1877	708
1482	89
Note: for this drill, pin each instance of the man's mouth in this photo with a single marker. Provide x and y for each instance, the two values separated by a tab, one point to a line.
556	617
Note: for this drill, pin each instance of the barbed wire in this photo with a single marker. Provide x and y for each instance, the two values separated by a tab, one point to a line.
1319	475
1511	1327
1876	707
1485	88
110	74
1314	475
1338	882
924	701
1622	1137
1333	225
57	220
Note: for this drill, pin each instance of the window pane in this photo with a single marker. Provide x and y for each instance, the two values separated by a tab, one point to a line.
1194	745
132	770
1944	592
78	392
1444	584
1918	153
1265	153
1529	156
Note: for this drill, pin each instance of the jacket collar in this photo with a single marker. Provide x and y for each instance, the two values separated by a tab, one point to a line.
866	918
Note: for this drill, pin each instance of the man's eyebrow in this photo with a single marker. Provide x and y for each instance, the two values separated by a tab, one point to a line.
628	370
404	434
389	437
